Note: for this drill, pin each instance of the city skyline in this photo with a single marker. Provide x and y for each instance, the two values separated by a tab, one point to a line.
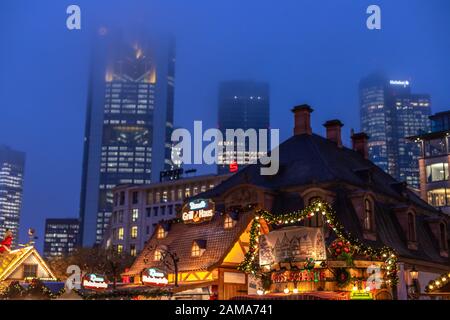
239	49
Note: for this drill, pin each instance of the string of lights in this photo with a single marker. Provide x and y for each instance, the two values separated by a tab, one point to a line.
386	254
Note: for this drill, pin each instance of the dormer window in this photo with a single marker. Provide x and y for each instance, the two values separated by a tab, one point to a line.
161	233
230	221
368	215
412	227
198	248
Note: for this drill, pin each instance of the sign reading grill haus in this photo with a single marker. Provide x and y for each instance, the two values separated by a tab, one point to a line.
198	211
294	244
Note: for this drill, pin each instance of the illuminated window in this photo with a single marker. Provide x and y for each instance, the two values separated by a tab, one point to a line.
228	223
439	197
161	233
196	251
368	215
134	232
316	220
187	193
157	256
120	233
119	248
133	250
134	215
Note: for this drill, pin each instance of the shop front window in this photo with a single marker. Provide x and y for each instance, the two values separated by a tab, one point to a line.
437	172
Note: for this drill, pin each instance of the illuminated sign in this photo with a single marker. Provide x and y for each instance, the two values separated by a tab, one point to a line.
95	282
361	295
198	211
298	276
399	83
234	167
154	277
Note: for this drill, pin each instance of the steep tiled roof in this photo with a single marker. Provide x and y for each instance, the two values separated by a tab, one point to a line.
180	238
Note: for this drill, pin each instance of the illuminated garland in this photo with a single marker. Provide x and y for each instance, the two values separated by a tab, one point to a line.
250	263
438	283
36	288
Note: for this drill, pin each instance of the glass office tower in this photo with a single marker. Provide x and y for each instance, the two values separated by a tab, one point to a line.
389	113
242	105
12	164
129	122
61	237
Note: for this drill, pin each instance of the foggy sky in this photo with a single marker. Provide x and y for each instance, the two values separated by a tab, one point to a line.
311	52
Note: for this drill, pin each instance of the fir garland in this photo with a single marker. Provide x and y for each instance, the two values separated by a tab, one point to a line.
250	264
438	283
35	289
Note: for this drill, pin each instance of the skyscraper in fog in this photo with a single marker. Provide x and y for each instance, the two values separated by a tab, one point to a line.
12	165
242	105
129	122
389	113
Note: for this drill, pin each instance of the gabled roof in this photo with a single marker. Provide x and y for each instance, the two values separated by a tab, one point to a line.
9	262
219	241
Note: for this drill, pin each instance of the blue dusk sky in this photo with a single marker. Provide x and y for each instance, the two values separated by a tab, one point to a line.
311	52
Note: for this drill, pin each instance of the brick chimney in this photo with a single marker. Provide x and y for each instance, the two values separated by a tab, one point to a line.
360	144
302	115
334	131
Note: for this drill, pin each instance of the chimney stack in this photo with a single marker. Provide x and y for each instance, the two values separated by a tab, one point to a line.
302	115
334	131
360	144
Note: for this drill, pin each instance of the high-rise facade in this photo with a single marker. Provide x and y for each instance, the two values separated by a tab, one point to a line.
389	113
242	105
61	237
12	165
129	122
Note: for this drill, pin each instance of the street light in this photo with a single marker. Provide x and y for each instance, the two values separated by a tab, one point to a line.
414	274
